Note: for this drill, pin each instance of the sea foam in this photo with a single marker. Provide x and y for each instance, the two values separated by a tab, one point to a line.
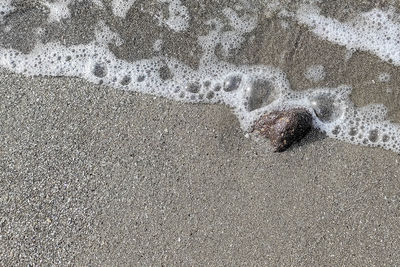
251	90
5	8
375	31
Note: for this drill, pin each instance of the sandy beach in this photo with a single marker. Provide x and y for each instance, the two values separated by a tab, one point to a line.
97	176
154	182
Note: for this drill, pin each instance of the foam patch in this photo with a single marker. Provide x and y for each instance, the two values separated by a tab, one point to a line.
178	16
251	91
375	31
315	73
58	10
121	7
384	77
5	8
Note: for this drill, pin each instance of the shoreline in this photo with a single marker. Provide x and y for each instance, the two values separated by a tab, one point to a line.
92	176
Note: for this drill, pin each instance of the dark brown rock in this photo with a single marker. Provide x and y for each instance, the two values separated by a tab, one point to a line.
284	128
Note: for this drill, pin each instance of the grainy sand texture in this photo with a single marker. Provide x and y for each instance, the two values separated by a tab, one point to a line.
96	176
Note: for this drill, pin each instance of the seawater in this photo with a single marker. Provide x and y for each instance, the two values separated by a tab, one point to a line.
183	55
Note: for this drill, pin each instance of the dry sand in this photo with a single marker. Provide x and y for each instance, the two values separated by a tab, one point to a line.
91	175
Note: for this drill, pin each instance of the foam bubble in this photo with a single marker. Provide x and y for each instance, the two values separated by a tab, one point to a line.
260	93
98	3
232	39
376	31
157	45
251	91
232	82
326	107
349	54
104	35
315	73
178	17
242	24
5	8
384	77
121	7
58	10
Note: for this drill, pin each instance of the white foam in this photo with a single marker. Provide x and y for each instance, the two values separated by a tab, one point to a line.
251	91
349	54
157	46
284	24
58	10
98	3
5	8
375	31
227	39
315	73
121	7
104	35
178	17
384	77
241	24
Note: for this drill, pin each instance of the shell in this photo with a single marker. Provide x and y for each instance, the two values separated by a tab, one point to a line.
284	128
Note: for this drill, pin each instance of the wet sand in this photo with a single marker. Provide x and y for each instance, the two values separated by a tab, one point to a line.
97	176
91	175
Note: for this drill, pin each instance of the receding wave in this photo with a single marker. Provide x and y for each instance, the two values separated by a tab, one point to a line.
186	56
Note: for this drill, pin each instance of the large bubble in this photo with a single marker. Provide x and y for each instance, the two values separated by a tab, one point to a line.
260	93
325	107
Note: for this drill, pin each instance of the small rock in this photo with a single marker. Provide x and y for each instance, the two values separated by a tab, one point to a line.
284	128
